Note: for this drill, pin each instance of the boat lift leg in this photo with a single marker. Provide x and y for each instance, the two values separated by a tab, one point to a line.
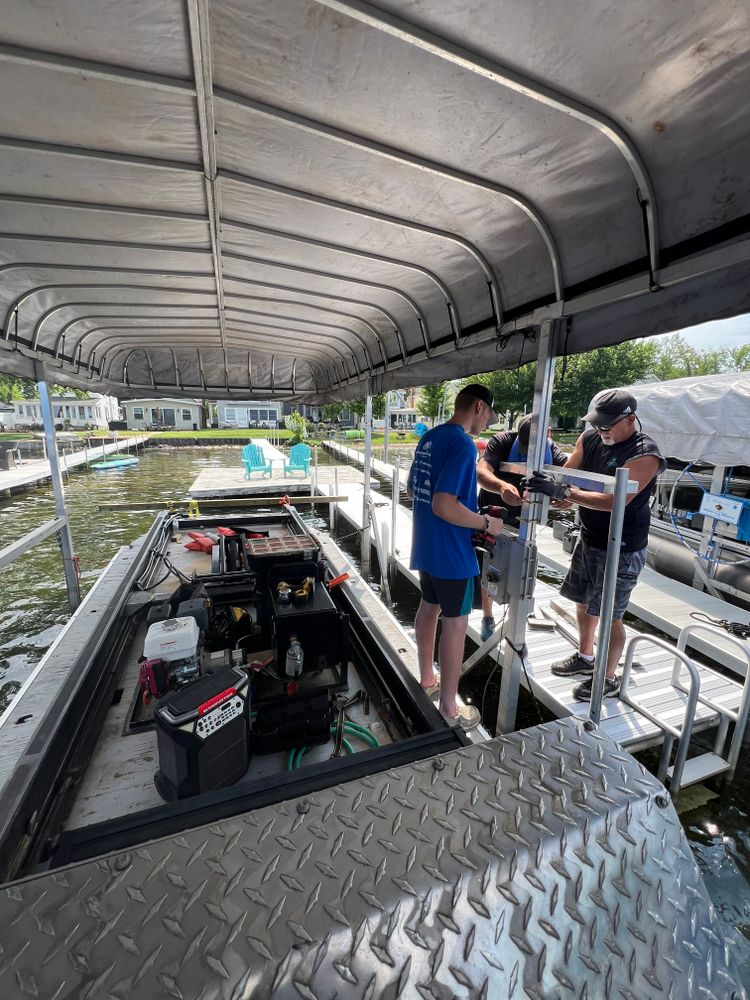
365	557
64	537
522	588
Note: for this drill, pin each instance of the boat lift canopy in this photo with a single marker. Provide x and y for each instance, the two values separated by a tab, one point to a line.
704	418
287	199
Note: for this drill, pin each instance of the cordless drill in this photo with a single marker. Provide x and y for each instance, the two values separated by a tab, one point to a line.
483	541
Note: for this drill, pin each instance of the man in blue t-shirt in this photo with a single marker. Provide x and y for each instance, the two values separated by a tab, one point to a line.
443	485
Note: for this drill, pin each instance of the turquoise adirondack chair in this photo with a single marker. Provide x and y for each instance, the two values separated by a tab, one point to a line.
299	459
255	461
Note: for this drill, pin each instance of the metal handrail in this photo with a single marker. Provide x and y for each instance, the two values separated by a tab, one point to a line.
741	715
683	735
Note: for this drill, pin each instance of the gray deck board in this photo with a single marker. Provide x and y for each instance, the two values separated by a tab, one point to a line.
619	720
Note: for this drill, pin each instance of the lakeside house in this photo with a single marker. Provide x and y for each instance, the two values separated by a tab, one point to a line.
169	414
92	411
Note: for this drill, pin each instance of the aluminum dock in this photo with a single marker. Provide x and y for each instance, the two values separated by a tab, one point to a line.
32	473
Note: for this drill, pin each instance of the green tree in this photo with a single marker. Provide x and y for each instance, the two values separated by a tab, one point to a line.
332	411
357	406
589	373
431	400
512	389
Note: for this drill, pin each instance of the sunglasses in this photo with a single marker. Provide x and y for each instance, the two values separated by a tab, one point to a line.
603	428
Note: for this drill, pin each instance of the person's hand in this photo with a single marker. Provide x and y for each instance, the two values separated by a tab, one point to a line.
543	482
495	526
510	495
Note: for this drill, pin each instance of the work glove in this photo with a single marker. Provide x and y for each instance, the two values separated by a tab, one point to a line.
543	482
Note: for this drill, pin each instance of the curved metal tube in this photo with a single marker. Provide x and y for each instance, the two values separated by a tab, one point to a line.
399	156
312	360
136	326
389	288
392	220
280	265
333	298
118	347
311	322
62	332
319	310
280	330
90	268
520	84
353	252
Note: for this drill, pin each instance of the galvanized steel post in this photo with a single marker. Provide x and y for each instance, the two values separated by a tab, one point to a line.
395	499
366	489
608	592
64	536
387	425
521	602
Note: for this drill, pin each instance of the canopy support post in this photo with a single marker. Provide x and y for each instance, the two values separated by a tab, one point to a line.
365	559
387	425
522	585
64	537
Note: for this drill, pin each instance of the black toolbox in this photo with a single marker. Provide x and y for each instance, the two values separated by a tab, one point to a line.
302	721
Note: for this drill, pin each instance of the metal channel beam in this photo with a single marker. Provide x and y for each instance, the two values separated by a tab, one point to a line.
391	220
124	327
511	79
394	155
79	241
200	43
89	69
11	552
99	155
130	211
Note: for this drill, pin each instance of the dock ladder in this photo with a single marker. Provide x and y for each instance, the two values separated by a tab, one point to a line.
707	765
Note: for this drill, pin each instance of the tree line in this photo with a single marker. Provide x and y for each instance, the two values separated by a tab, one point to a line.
579	377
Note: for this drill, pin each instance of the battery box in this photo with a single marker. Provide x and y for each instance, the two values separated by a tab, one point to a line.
295	722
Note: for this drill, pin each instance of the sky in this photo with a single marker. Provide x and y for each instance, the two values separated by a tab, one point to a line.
718	333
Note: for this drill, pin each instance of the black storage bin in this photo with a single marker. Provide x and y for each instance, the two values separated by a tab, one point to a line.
296	722
196	608
203	735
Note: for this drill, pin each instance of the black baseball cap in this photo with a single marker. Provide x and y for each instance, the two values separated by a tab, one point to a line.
609	406
479	391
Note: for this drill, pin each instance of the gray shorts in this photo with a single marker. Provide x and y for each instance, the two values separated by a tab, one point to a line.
585	578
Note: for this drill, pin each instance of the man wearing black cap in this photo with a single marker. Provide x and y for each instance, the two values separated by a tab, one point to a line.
613	442
443	485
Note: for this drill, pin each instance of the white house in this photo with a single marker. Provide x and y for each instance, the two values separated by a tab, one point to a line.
7	415
249	413
90	411
174	414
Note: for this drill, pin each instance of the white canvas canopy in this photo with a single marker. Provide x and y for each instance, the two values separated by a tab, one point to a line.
249	198
706	418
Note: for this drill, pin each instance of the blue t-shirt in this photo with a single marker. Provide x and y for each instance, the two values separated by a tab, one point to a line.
445	462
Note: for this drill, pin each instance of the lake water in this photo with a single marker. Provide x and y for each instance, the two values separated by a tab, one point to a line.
33	610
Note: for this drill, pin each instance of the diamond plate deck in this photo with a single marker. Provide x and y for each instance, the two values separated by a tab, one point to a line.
546	864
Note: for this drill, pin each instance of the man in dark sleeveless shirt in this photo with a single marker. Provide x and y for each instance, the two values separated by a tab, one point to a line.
613	442
502	488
